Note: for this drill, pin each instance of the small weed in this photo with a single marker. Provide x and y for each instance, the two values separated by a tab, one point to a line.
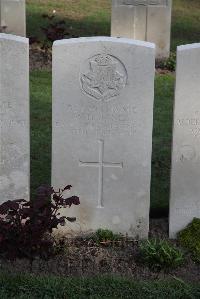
160	254
189	238
170	63
105	236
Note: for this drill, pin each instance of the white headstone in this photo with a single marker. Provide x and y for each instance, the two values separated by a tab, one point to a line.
103	91
147	20
14	118
185	177
13	16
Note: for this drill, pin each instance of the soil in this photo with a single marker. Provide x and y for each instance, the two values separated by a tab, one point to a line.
161	71
84	258
40	59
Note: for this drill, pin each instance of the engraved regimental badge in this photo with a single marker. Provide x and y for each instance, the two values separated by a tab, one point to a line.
105	78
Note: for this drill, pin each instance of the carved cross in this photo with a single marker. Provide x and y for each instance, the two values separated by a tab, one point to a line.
101	164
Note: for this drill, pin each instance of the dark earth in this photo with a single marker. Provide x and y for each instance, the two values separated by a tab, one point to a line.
40	59
82	257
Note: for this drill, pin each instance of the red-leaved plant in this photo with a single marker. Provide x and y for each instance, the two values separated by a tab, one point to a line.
26	226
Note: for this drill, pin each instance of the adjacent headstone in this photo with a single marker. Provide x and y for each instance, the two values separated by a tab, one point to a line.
103	90
13	16
14	118
185	177
147	20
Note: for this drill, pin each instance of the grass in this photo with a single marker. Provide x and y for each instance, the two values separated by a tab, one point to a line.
40	87
83	17
41	136
92	17
185	22
162	137
30	287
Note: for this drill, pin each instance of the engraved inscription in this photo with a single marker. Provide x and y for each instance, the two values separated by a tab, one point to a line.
105	78
101	164
188	211
145	2
100	121
190	123
10	123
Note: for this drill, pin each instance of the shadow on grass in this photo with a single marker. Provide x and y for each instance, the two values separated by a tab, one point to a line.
96	25
184	31
40	107
162	138
185	22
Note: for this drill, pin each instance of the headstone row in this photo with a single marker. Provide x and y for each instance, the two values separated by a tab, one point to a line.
146	20
103	91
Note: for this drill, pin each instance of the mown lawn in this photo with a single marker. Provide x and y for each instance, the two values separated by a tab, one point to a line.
40	89
185	22
41	136
162	137
82	17
92	17
30	287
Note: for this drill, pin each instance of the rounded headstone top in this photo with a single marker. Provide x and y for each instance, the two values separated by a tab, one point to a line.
121	40
11	37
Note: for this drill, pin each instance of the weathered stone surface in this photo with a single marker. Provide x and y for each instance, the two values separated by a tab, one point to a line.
148	20
185	176
14	118
13	16
103	91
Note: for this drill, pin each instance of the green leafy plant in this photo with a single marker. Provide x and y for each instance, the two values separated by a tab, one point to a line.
170	63
105	236
160	254
189	238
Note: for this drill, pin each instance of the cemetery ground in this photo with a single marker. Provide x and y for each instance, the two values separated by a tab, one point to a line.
83	258
92	18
